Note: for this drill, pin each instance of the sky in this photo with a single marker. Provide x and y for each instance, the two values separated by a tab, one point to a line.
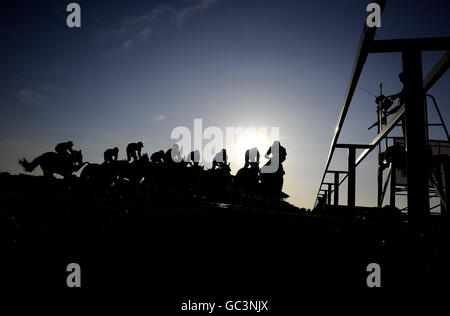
136	70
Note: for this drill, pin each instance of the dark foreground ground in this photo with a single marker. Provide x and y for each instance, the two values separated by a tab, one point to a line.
179	248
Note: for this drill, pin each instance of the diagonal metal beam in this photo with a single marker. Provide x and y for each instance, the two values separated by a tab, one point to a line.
397	117
436	73
367	36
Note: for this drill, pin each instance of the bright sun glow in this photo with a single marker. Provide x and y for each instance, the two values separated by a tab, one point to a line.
249	140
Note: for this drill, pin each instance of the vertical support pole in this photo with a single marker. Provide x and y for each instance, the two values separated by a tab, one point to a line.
351	176
446	167
329	194
379	179
336	188
427	128
393	185
380	171
416	141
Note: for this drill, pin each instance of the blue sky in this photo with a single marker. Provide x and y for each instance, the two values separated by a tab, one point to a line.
137	69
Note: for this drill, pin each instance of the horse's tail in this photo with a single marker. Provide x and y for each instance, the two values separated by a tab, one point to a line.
29	166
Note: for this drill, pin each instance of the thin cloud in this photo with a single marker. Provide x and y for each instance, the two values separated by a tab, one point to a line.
129	22
133	28
133	24
35	95
47	87
184	13
146	32
28	96
158	118
127	44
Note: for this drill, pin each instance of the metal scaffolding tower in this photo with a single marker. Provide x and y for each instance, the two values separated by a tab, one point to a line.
413	112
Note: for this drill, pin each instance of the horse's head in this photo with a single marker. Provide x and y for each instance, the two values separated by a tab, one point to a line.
226	168
183	163
145	158
77	157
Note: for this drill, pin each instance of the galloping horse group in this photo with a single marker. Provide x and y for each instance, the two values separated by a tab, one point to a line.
160	178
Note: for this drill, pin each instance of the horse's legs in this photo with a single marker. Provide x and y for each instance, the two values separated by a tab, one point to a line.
46	172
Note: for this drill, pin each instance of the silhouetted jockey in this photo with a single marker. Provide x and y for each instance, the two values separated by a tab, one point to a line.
220	159
134	151
278	152
157	157
111	154
251	156
64	149
173	155
194	158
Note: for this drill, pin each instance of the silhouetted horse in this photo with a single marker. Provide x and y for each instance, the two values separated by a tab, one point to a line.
133	172
248	178
173	177
272	182
215	181
118	176
194	178
51	163
102	175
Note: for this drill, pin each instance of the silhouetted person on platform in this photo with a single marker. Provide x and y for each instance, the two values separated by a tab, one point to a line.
194	158
388	101
251	156
401	99
64	149
220	159
157	157
173	155
400	96
111	154
134	151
